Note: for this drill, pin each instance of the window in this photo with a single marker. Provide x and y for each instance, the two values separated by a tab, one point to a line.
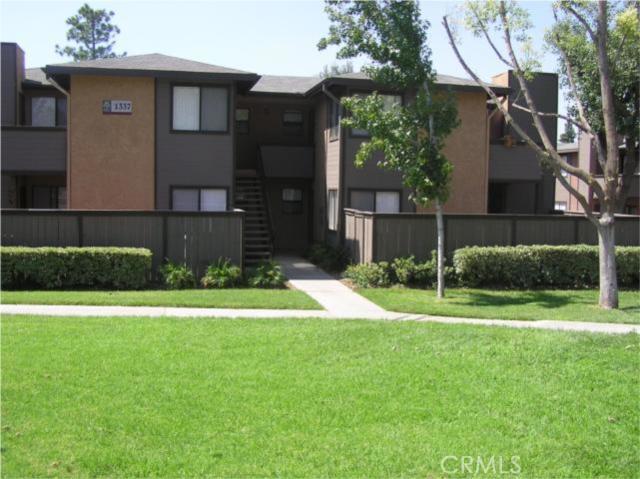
43	111
198	199
293	122
332	210
389	101
292	118
334	119
242	121
561	206
291	201
200	108
387	202
377	201
363	200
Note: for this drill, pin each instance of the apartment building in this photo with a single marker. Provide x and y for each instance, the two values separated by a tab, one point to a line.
158	132
34	136
582	154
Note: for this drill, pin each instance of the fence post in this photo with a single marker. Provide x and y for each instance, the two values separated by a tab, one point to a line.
165	239
576	226
80	230
513	231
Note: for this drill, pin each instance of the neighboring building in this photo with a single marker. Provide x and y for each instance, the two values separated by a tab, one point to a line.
159	132
583	155
517	182
34	136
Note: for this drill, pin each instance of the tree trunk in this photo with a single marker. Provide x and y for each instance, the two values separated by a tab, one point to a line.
440	230
607	259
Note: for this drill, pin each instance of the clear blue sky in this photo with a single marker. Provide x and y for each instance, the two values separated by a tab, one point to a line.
267	37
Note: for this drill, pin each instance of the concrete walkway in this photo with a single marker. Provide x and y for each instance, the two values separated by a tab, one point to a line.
334	296
154	311
339	302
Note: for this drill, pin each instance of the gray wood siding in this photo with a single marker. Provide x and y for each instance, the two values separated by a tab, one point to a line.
190	158
34	150
198	239
383	237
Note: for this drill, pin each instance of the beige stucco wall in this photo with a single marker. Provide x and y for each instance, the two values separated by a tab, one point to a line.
467	149
111	157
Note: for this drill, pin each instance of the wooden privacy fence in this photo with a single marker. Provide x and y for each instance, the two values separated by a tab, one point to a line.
382	237
197	238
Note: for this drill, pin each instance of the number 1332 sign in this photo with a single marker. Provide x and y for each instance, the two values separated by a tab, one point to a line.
117	107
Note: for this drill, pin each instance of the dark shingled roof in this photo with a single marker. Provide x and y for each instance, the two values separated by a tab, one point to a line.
289	85
440	79
154	62
296	85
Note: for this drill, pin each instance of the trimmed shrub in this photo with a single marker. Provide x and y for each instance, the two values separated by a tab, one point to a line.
222	274
267	274
51	267
404	270
541	266
330	258
177	276
370	275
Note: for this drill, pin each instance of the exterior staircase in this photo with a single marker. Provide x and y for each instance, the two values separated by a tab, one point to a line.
249	196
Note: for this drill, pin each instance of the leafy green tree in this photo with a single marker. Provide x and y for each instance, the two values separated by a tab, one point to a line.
569	134
336	69
393	37
93	33
597	46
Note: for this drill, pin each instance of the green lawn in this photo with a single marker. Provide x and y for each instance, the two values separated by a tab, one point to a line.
524	305
135	397
194	298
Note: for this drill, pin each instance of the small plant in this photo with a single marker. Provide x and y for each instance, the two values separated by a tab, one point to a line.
330	258
267	275
372	275
222	274
177	276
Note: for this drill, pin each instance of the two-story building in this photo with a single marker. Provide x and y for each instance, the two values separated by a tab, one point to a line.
157	132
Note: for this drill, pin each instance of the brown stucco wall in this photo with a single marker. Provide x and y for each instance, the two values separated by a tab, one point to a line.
111	157
467	149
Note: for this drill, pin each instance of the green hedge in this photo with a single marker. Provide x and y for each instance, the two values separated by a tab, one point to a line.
51	268
538	266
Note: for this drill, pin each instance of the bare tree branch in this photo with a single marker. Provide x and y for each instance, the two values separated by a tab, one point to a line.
485	31
558	163
574	92
583	21
555	115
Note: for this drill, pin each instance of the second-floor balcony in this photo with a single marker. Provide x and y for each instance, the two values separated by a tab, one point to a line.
31	150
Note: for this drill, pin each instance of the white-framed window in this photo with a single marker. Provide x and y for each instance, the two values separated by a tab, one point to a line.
332	210
389	101
43	111
198	199
561	206
200	108
376	201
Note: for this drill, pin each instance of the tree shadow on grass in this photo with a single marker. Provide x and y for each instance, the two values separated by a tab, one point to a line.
542	299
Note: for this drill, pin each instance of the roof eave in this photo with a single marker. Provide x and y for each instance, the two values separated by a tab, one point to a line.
61	71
